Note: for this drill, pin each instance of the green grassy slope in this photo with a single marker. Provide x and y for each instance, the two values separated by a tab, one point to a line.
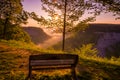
12	61
14	65
97	70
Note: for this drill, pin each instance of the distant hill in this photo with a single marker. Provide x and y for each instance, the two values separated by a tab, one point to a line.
37	34
103	28
102	35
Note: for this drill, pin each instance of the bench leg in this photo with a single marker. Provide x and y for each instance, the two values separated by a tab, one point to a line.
29	74
73	74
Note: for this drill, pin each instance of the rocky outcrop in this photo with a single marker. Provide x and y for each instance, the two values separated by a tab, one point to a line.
105	41
109	34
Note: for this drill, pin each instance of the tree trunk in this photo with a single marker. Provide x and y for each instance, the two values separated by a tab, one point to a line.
5	28
63	45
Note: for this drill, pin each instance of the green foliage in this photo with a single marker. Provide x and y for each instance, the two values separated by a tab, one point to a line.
15	32
98	6
13	11
12	15
80	27
74	11
87	50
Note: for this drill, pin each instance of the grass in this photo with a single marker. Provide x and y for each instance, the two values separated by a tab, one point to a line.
12	61
14	64
98	69
28	46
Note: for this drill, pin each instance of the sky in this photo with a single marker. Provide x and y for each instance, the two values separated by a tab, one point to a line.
35	6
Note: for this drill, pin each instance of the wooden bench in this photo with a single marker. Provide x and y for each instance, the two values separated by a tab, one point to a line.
53	61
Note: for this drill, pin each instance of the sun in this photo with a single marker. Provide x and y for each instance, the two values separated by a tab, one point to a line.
56	17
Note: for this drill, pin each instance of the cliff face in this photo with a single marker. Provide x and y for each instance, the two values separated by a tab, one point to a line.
105	41
109	35
37	34
102	35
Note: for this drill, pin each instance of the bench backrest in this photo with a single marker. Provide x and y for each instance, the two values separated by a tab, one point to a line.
53	60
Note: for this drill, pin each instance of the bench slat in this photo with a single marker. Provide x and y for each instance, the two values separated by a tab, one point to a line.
51	62
52	67
52	56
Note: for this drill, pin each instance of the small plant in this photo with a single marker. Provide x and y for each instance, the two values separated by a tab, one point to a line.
87	50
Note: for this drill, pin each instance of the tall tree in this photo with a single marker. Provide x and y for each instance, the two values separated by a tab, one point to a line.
69	10
55	8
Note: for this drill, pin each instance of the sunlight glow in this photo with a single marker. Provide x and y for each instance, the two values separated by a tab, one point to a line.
56	17
32	23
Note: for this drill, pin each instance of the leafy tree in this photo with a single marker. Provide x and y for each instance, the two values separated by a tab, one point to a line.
11	11
98	6
41	20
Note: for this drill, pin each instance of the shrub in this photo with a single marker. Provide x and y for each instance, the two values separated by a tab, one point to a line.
17	33
87	50
14	32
